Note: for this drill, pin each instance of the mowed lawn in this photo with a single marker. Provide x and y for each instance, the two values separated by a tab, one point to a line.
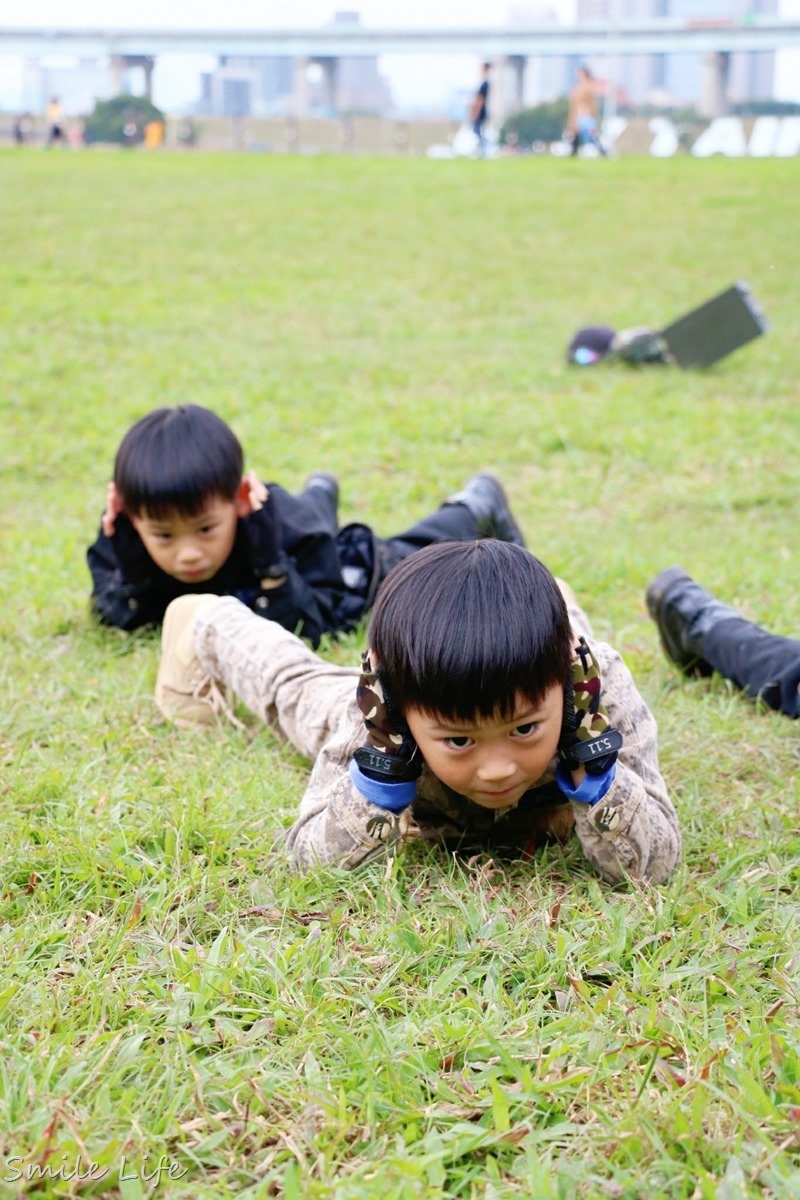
173	997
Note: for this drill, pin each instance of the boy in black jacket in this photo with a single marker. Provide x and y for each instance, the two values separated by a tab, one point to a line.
182	517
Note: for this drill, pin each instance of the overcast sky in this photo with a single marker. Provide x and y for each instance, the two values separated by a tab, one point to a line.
412	79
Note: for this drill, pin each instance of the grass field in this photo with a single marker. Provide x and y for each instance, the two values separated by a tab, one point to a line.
171	994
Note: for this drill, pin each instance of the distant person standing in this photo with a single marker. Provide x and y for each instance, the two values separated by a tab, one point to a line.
479	112
582	117
154	135
55	123
23	127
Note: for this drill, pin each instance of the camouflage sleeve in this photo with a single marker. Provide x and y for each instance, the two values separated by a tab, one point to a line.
633	831
336	823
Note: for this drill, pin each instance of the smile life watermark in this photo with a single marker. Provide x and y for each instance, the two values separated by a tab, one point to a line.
75	1167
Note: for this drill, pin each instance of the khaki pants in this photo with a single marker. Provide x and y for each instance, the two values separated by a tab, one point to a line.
275	674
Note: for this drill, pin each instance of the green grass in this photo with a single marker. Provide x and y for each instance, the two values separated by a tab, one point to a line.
449	1029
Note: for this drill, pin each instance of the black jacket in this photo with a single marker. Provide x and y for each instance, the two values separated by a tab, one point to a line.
131	591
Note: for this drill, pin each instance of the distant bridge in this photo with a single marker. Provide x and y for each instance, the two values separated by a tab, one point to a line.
716	38
663	35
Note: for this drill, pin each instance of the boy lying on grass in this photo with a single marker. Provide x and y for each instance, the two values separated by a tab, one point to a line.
480	716
182	517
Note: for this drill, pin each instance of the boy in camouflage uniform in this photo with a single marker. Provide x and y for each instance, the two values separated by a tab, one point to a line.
480	717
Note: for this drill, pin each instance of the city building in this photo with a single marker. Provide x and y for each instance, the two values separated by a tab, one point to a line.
678	78
547	76
260	86
751	76
244	87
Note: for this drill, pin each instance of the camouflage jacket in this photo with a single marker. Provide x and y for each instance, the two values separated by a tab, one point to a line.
633	831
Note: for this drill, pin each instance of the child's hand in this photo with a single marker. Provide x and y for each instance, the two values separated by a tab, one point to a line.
263	529
390	752
134	561
589	743
108	521
254	492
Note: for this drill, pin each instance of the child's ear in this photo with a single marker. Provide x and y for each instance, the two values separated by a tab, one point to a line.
114	506
251	496
242	502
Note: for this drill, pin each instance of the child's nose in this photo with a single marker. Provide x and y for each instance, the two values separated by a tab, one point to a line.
189	551
495	767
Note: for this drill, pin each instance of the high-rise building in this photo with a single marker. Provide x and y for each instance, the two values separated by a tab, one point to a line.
678	77
245	86
360	87
547	76
751	76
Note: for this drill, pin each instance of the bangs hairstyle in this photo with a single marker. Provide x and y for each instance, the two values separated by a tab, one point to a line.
175	459
463	629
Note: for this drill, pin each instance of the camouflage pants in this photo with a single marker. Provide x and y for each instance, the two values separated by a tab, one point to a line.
275	674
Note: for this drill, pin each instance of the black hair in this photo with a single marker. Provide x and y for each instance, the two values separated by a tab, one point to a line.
175	459
463	629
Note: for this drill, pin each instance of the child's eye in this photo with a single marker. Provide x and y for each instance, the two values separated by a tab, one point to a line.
525	730
207	528
162	537
458	743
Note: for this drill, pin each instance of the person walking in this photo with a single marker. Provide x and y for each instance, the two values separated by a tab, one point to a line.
582	117
479	112
55	123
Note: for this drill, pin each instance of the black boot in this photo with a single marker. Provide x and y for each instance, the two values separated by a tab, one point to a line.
328	485
486	500
684	613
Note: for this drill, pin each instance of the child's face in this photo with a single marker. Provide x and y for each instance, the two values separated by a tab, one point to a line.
492	762
191	549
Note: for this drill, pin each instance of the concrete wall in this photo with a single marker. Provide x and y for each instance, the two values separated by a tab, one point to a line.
657	136
287	135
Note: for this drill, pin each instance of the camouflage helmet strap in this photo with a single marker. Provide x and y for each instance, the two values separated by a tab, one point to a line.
587	737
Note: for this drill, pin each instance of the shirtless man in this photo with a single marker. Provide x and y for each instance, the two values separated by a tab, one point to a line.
582	118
